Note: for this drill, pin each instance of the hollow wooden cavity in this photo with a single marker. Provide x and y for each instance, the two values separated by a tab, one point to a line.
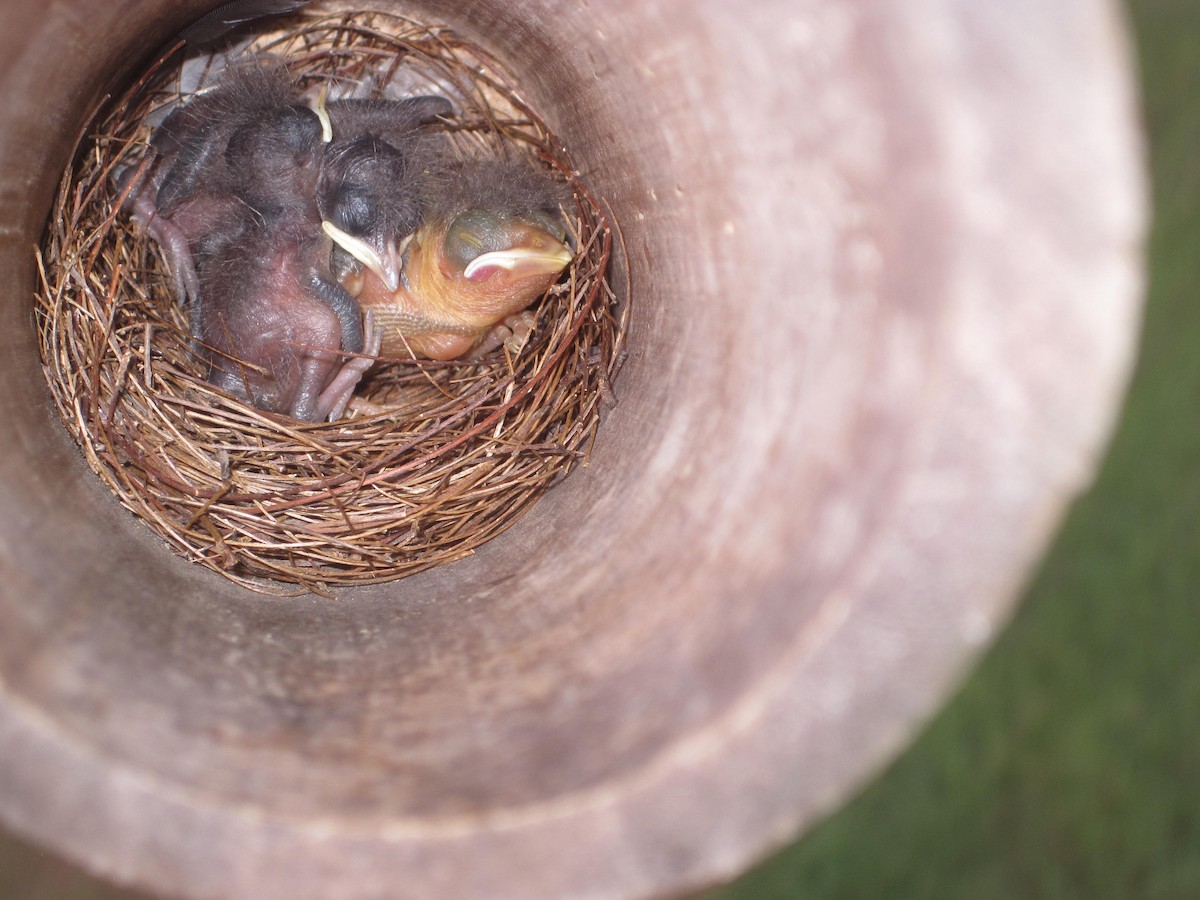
888	256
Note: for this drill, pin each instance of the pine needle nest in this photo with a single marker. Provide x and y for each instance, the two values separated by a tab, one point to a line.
436	459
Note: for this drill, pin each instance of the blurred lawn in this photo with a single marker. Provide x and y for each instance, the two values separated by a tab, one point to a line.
1069	765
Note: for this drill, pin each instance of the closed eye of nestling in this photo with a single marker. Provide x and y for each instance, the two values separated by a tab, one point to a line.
472	234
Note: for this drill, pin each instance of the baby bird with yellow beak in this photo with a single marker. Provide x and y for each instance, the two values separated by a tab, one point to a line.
491	241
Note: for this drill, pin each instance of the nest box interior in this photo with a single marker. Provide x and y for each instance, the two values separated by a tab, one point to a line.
886	266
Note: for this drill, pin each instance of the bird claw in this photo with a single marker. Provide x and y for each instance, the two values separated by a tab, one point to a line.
337	395
173	241
521	328
512	331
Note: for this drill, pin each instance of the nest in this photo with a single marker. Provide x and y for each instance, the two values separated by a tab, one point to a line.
436	458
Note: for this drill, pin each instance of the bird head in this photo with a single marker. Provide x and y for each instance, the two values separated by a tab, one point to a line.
482	266
481	245
275	159
369	203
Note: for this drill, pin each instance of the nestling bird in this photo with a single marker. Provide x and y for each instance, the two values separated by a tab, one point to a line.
277	328
191	203
232	197
490	243
371	186
272	319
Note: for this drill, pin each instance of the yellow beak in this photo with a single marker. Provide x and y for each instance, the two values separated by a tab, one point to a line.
386	267
521	262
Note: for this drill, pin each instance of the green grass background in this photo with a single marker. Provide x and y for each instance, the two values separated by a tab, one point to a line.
1068	766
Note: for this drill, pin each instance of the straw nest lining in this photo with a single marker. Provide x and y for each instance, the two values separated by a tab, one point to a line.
436	458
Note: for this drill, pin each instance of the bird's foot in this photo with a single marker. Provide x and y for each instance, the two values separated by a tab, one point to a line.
174	243
511	331
521	328
337	395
